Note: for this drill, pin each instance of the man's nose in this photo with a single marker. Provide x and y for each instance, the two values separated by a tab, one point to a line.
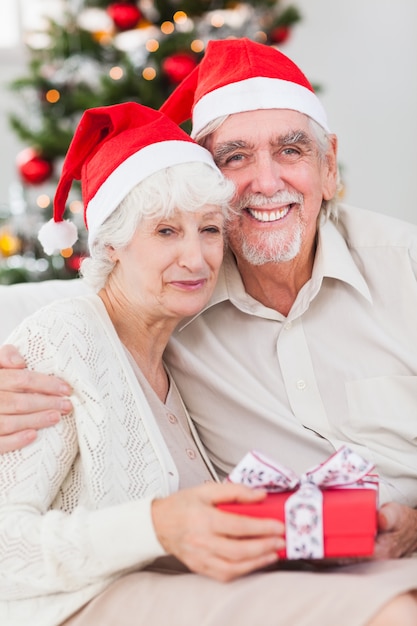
267	176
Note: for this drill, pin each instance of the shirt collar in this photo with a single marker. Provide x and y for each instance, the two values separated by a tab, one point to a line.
333	260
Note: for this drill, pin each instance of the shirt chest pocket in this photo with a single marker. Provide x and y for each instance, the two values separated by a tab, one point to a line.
383	415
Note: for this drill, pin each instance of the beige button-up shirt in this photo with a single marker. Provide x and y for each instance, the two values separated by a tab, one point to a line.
340	369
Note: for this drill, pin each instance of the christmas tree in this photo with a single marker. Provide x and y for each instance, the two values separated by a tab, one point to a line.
100	53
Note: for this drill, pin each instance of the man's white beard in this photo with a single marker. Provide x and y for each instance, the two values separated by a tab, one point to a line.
278	246
272	247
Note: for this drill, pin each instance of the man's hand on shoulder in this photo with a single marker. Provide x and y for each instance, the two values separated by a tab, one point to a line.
28	401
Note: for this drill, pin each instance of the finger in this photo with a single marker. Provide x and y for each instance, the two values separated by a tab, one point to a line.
242	550
29	381
232	524
225	571
17	404
10	357
230	492
397	531
235	525
388	517
14	424
388	546
17	440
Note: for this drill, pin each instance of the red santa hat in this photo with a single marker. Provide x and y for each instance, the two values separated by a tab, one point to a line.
237	75
113	149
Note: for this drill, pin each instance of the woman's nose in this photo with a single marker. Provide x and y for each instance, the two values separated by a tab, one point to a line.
191	254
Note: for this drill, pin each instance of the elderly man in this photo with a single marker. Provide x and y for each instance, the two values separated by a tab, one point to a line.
310	340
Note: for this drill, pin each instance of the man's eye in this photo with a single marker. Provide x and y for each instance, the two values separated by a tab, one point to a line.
290	151
234	160
234	157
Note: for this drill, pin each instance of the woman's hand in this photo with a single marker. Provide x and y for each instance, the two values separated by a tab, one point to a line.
212	542
28	401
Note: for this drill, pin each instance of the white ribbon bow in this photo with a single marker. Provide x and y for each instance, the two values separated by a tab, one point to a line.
345	469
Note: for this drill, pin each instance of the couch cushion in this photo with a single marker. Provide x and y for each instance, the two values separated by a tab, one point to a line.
20	300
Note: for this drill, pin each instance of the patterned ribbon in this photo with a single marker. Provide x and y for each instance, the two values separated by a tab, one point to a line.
345	469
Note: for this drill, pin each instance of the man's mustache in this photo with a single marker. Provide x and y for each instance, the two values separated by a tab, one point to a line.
257	201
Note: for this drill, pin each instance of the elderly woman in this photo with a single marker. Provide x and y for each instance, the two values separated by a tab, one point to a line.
96	497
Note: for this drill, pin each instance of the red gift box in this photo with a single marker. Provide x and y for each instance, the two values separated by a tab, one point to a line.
328	512
349	519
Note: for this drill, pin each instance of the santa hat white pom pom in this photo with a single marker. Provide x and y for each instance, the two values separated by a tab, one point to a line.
57	235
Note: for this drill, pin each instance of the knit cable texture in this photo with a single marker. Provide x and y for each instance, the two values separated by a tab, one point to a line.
53	492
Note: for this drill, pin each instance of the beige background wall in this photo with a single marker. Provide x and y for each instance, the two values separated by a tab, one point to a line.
364	55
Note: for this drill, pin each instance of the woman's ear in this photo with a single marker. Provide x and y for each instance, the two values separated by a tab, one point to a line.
112	252
330	170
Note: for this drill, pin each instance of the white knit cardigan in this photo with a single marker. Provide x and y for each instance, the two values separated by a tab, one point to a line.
75	504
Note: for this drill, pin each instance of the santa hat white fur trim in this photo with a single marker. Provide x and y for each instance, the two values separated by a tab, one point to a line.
133	170
257	93
56	236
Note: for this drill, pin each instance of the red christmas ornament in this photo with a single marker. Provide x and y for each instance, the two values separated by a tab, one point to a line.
125	15
280	34
178	66
73	263
33	168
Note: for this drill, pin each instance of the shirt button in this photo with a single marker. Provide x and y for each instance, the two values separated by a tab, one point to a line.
301	384
172	418
288	325
190	453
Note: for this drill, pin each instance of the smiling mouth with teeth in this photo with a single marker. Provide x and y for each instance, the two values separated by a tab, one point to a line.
269	216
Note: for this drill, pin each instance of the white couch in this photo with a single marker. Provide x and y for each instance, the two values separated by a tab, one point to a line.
20	300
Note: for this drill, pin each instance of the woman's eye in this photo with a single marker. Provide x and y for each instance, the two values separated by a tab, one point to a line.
212	229
165	231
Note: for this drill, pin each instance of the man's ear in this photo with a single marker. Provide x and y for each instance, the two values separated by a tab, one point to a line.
330	170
